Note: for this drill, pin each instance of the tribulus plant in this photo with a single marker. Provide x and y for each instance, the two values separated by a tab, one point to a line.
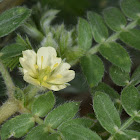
49	58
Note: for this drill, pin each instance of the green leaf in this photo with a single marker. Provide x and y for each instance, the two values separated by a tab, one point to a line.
84	34
61	113
23	42
131	8
58	30
137	117
79	121
11	50
127	135
43	104
78	132
33	32
17	126
108	90
131	37
12	19
102	87
72	54
116	54
106	113
134	126
11	53
65	41
98	128
114	18
49	41
98	28
118	76
47	18
54	136
130	98
11	62
93	69
138	87
39	132
135	78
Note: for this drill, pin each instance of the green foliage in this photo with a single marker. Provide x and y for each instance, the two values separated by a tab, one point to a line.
12	19
10	54
116	54
106	113
64	41
54	136
55	122
17	126
93	69
49	41
131	8
47	18
32	31
98	28
12	50
131	37
43	104
134	126
38	133
115	97
127	135
102	87
78	132
61	113
135	78
114	19
79	121
109	118
84	35
119	76
130	99
107	46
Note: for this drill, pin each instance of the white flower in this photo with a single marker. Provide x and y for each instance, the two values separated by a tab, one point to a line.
44	68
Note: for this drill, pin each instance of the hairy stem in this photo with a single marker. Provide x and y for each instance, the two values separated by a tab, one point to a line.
38	120
7	79
124	126
9	108
31	91
127	123
113	37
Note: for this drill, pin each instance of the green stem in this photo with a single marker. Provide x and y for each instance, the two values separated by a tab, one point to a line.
38	120
124	126
9	108
7	79
113	37
31	91
94	49
127	123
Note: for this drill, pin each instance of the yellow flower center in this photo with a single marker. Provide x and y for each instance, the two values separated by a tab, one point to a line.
43	75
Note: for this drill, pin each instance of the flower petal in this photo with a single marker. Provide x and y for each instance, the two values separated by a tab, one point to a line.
66	77
62	75
55	87
31	80
28	61
46	56
62	67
